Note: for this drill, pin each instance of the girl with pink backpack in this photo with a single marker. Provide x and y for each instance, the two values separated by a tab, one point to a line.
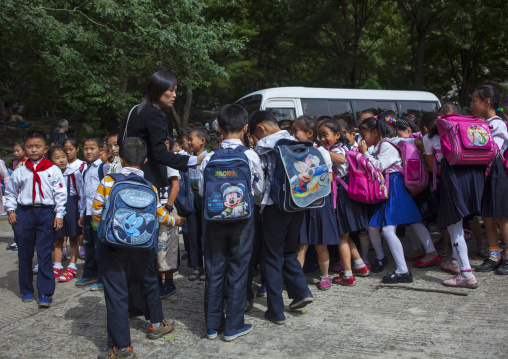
484	105
351	216
398	209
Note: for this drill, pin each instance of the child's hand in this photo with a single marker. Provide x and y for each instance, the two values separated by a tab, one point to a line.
362	147
419	145
179	221
80	222
12	218
200	159
58	224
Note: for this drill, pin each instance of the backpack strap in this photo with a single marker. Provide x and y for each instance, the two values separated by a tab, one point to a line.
73	179
337	178
82	167
397	167
434	168
101	171
127	122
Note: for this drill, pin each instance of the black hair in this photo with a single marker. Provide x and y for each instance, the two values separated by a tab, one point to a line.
34	135
335	127
112	134
449	108
369	110
404	123
323	118
159	82
232	118
371	124
73	141
171	142
19	142
133	151
429	120
245	140
389	114
490	92
307	123
285	124
349	127
201	132
53	149
258	117
94	138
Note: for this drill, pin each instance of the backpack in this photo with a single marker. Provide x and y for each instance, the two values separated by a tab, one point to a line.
366	183
466	140
184	202
301	178
129	219
414	168
227	180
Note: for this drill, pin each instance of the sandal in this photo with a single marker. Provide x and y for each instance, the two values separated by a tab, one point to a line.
69	275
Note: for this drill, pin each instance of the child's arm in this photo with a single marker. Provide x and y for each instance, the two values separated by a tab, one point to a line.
4	173
387	156
82	203
337	158
11	196
60	197
258	184
201	186
175	187
164	218
99	199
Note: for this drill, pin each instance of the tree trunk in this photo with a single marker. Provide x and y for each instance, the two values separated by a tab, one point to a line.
187	107
178	123
420	60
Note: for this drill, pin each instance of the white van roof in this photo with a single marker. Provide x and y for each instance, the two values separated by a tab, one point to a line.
329	93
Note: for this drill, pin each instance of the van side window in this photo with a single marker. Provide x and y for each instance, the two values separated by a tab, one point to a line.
283	113
375	106
332	108
416	108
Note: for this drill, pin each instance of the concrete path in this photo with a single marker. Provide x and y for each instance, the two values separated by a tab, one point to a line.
343	322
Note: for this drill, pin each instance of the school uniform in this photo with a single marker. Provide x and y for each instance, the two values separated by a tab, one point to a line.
91	181
320	224
228	251
119	266
399	208
280	237
195	221
74	184
351	216
494	202
79	165
38	196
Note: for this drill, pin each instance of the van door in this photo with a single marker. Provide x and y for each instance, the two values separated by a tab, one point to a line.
283	109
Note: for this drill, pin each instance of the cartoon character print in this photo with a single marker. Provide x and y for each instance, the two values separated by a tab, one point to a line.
133	226
304	171
233	196
477	135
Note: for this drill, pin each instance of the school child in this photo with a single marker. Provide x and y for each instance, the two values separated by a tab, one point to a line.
177	147
35	201
485	105
280	229
319	225
93	148
105	158
229	242
118	263
398	209
349	132
185	143
350	216
19	153
4	177
285	125
70	228
112	146
198	139
71	148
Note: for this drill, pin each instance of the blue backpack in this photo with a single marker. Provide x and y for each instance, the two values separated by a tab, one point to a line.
301	177
184	202
227	193
129	219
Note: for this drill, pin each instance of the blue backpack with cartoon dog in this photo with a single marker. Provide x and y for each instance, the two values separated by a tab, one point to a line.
301	177
227	192
129	219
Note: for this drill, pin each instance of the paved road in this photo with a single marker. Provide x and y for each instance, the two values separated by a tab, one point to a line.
343	322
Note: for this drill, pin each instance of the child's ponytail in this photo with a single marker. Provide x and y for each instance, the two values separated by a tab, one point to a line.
490	92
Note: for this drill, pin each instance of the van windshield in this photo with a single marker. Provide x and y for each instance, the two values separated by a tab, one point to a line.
251	103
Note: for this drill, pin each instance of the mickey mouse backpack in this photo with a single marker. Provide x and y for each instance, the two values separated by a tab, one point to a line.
129	219
227	193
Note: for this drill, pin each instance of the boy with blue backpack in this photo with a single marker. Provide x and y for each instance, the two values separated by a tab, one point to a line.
127	212
230	177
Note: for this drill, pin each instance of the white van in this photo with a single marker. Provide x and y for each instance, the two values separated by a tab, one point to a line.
288	103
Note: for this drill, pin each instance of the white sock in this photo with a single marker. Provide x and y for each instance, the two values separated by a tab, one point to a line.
358	264
81	248
365	245
348	273
395	248
375	239
72	266
423	236
58	265
459	245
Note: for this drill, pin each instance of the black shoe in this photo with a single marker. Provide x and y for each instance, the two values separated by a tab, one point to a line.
488	265
299	303
378	265
394	277
185	256
167	291
503	268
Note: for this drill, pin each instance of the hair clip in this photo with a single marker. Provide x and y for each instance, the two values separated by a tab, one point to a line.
411	115
500	109
375	117
390	121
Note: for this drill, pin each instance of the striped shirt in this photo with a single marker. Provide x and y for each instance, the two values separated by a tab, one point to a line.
104	189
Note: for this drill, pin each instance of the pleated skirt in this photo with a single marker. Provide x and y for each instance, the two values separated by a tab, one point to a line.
70	226
352	216
495	193
320	225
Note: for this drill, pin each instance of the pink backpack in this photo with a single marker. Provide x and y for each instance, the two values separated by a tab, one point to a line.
466	140
366	183
414	168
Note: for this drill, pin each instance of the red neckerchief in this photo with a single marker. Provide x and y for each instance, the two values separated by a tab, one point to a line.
73	179
43	165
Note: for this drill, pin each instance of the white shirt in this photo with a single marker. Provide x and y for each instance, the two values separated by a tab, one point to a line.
77	164
91	182
343	169
194	173
256	169
79	183
432	145
52	184
499	132
171	172
387	156
326	157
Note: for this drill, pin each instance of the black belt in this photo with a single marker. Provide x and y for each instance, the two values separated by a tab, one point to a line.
37	205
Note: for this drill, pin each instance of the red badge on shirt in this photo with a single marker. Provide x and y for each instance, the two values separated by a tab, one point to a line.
61	185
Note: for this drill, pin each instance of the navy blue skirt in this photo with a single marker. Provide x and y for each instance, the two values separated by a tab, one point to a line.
495	194
352	216
70	222
427	201
460	193
399	208
320	225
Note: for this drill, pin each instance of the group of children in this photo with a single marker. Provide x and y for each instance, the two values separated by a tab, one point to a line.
52	196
